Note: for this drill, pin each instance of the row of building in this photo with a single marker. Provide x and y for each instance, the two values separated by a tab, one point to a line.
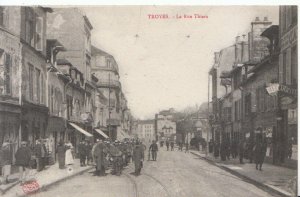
54	84
254	87
162	127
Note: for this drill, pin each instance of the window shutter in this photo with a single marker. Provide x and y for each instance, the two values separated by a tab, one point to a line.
39	34
288	67
7	73
280	77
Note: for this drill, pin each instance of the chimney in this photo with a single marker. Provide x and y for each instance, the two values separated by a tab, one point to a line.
217	57
265	18
257	19
237	39
244	38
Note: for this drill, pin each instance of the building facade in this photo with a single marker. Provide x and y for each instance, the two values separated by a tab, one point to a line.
165	126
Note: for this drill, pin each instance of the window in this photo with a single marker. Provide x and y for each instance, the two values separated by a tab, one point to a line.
31	70
2	15
236	112
42	90
247	104
294	14
5	72
294	65
39	34
284	68
38	87
29	26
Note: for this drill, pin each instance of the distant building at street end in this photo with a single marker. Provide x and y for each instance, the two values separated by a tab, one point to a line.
165	126
145	130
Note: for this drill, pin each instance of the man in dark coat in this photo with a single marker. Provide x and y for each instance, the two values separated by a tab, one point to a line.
82	153
153	148
167	144
98	155
138	158
40	154
23	157
242	146
260	149
172	145
5	161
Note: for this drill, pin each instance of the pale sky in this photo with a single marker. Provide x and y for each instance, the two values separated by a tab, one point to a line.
167	64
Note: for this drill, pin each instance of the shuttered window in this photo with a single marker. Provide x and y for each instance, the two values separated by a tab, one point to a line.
5	72
39	34
30	69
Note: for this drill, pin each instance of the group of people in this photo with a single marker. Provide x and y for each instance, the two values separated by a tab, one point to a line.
117	155
254	151
26	158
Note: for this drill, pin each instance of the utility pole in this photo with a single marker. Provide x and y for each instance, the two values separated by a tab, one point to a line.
206	150
109	132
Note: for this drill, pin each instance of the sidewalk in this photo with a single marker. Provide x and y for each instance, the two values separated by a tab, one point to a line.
272	178
49	176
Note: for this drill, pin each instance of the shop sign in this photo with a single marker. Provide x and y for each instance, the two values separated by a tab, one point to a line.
286	100
292	116
289	38
274	88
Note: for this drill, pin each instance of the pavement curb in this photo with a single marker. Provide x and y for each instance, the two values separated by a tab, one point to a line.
46	186
246	178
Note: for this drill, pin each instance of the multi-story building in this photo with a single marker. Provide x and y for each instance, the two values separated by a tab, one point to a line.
24	114
105	67
146	131
73	30
165	126
288	81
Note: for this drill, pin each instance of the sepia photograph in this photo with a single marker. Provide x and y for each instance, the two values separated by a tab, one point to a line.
149	100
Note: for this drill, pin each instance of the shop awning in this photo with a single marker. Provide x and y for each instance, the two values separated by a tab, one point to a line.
101	133
80	130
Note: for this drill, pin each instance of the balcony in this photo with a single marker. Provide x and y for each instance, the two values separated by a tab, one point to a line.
109	84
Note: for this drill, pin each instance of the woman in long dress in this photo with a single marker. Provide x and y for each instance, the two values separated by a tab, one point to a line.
61	155
69	155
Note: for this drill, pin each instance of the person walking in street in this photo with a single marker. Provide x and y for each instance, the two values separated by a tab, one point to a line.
186	147
138	158
98	155
259	152
167	144
61	154
23	157
154	149
242	146
172	145
89	153
5	161
40	154
82	153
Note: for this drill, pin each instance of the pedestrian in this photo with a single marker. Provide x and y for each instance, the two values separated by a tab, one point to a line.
69	155
259	152
23	157
154	149
186	147
82	153
89	153
61	154
172	145
5	161
138	158
242	146
116	157
40	153
167	144
98	155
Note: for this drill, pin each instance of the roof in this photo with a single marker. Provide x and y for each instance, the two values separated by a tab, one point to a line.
272	32
146	122
97	51
88	22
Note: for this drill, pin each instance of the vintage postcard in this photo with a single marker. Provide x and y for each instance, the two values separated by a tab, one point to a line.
149	100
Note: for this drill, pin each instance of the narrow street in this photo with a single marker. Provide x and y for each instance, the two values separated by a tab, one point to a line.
175	174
